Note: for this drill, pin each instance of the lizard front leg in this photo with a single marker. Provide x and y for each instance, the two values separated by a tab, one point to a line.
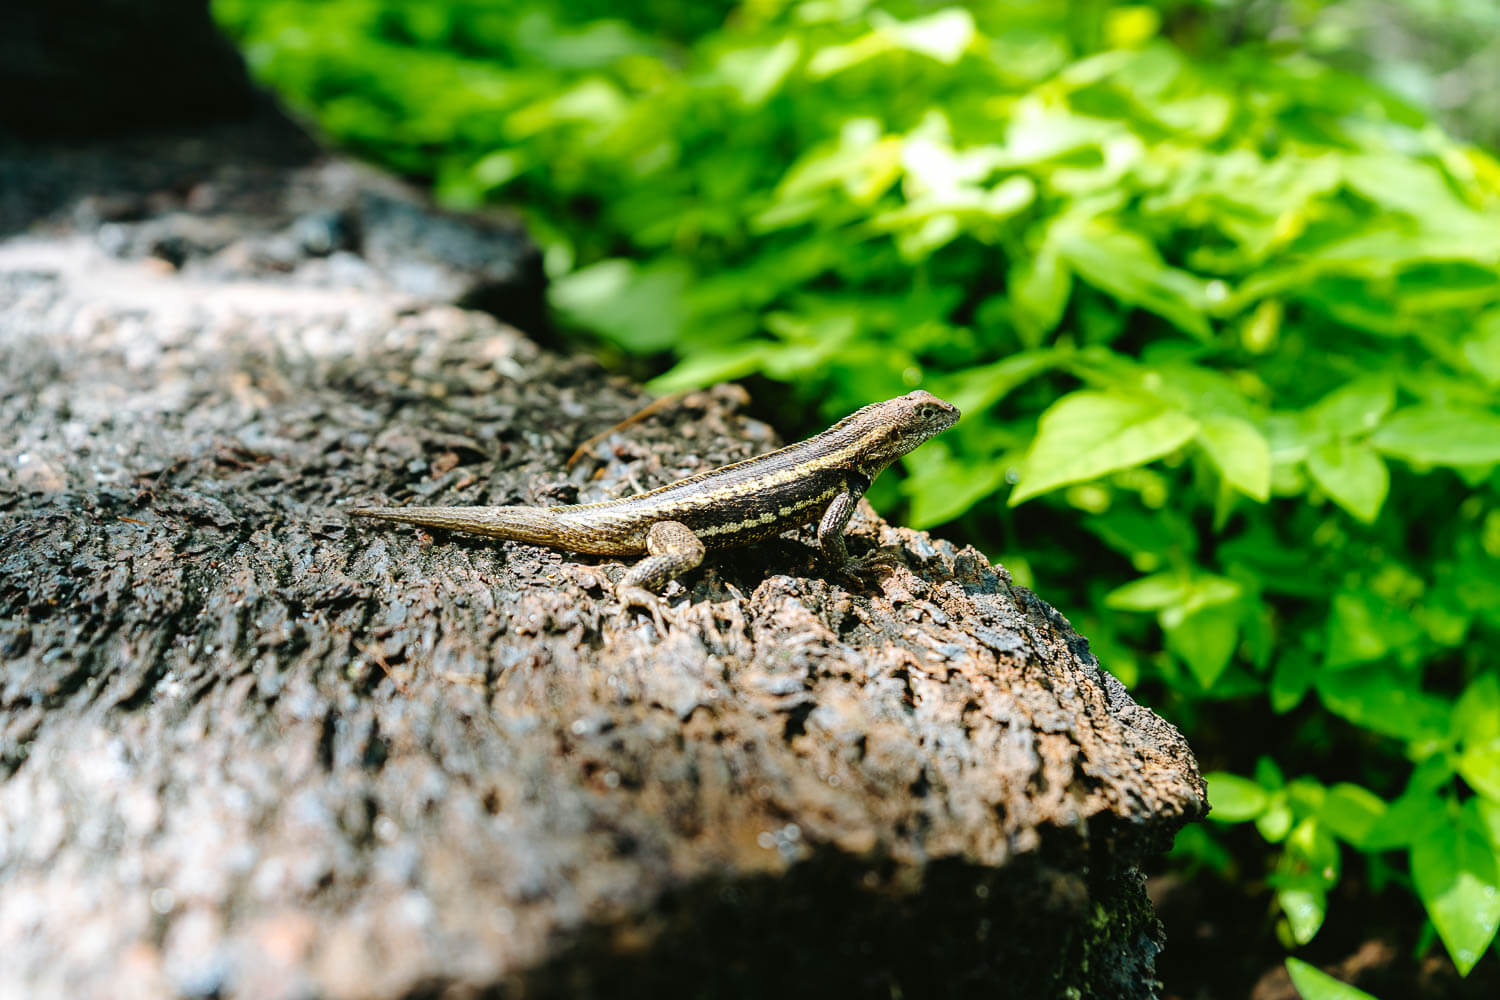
673	550
831	528
835	520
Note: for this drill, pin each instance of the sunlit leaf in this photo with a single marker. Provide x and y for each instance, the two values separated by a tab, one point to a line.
1276	821
941	487
1480	766
1352	475
1356	407
756	73
1455	872
1239	452
1402	183
1351	812
1433	435
1481	349
1089	434
943	35
1487	811
1205	639
1406	820
1234	799
1313	984
1363	626
1039	288
1128	267
1304	909
1384	702
1476	714
641	308
1151	593
1290	681
977	389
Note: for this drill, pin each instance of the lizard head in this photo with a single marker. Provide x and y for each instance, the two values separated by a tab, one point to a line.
896	426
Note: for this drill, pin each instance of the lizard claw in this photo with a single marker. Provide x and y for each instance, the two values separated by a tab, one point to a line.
876	563
639	597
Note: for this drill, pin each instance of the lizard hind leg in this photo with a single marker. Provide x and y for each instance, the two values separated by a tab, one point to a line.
673	550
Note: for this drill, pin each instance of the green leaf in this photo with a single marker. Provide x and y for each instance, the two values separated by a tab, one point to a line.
1268	773
1384	701
1090	434
1481	349
1456	877
1363	627
1204	639
1402	183
1128	267
1307	796
1181	592
975	390
1476	714
941	487
1488	812
1351	812
1356	407
1239	452
943	35
1406	820
1290	681
1039	287
1313	984
640	308
732	361
1276	822
1304	908
1433	435
757	73
1234	799
1352	475
1151	593
1304	873
1480	766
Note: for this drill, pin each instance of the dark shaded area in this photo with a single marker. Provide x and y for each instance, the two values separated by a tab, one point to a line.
82	69
839	926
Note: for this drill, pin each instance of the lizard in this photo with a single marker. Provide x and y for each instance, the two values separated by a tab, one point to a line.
673	526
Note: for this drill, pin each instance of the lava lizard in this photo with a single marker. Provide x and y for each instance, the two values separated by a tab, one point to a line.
820	479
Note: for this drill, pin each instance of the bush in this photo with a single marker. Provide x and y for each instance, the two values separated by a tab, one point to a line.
1224	323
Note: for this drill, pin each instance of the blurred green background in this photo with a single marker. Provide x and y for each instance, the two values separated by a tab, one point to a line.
1215	283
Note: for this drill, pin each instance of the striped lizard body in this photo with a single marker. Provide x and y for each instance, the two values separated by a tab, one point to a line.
820	479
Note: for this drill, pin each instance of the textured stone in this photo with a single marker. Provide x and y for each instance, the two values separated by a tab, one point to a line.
248	748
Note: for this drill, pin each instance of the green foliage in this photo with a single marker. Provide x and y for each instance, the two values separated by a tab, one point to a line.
1225	325
1315	985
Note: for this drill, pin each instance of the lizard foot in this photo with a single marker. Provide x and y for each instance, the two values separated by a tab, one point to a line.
639	597
877	563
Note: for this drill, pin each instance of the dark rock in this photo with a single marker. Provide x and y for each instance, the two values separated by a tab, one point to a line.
250	749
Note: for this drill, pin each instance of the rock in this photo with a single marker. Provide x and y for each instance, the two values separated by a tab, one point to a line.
249	748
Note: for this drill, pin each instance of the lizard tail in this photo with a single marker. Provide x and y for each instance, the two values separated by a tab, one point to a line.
521	524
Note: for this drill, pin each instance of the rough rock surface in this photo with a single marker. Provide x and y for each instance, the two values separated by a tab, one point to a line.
249	748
